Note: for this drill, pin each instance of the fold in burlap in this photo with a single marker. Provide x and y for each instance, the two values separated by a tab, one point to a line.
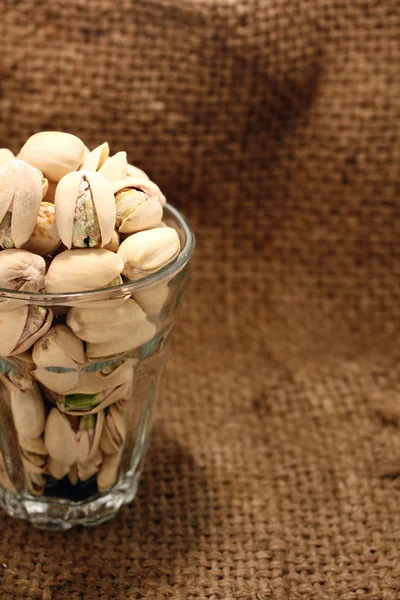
274	126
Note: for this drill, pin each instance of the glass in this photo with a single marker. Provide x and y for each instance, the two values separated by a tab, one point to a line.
74	426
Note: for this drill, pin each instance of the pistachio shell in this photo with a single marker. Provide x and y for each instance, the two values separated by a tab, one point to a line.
136	172
152	299
33	463
108	473
113	244
88	324
28	412
60	439
148	251
58	348
96	158
45	187
90	467
35	483
5	155
20	194
45	237
12	323
81	270
150	188
35	445
37	323
144	333
144	216
58	469
53	152
115	167
114	430
21	270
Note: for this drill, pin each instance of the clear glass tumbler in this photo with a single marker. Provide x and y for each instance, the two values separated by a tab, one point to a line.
75	417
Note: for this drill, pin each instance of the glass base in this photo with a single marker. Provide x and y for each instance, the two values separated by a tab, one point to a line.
57	514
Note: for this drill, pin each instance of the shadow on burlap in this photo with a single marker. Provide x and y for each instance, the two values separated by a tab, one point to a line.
274	126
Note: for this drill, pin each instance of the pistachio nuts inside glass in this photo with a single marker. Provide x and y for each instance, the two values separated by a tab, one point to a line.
93	264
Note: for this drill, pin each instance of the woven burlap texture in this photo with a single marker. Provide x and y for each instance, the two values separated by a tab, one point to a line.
274	126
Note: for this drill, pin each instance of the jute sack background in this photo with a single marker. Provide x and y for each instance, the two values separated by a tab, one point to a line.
274	125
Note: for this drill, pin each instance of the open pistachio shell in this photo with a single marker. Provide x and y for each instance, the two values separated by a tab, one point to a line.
136	172
45	237
28	413
88	324
73	474
5	155
85	209
88	436
55	153
148	251
96	158
35	483
150	188
69	270
108	473
33	463
136	211
90	404
58	356
20	197
20	270
21	327
115	167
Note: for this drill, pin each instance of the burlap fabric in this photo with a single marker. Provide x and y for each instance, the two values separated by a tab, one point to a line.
274	125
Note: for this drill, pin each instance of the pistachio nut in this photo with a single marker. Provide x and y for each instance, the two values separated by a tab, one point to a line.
20	197
5	155
45	237
136	211
115	167
153	299
78	404
55	153
82	270
28	412
58	356
20	270
136	172
143	184
113	244
108	473
85	210
96	158
148	251
21	327
114	430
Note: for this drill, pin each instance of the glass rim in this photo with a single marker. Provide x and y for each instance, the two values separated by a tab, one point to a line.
117	291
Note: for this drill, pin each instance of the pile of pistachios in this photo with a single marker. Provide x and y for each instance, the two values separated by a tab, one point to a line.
75	220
